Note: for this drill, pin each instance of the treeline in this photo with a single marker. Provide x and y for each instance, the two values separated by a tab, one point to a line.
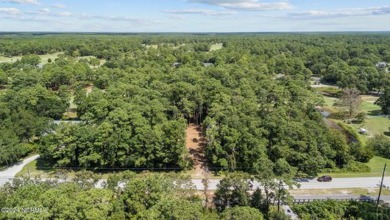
27	109
332	209
165	196
144	196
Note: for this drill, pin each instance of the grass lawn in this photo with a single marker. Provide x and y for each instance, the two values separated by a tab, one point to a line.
215	47
31	170
376	165
44	58
34	169
368	105
374	124
154	46
329	101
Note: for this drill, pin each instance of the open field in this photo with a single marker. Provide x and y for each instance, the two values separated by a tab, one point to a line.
374	123
44	58
329	101
376	165
215	47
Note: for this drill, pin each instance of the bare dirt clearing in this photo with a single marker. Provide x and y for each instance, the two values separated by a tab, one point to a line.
195	146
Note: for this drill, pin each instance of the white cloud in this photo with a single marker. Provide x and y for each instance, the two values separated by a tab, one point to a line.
43	11
138	21
351	12
201	11
59	6
177	17
249	5
382	10
32	2
64	14
9	11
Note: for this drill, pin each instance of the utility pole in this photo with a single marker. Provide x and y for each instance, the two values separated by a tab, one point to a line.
280	193
380	189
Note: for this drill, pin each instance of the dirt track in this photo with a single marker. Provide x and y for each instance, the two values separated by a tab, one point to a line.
195	146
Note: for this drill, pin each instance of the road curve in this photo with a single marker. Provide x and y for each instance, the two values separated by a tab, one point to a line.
9	173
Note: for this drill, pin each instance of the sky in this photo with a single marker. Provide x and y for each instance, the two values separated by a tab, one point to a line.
194	15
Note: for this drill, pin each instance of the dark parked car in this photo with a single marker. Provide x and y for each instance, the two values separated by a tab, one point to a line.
324	179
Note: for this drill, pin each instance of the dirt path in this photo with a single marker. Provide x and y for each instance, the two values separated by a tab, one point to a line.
195	146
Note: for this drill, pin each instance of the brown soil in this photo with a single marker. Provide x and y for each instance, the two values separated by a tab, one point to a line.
195	145
89	89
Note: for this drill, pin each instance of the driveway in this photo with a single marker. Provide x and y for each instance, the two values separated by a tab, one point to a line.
10	172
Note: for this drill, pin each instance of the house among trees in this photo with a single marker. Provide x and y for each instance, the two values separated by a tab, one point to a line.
206	64
381	65
176	64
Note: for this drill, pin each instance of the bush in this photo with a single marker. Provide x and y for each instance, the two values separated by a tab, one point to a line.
360	117
361	154
332	209
356	167
238	212
351	167
380	144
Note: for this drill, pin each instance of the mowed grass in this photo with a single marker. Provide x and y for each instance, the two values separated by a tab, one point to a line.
44	58
329	101
376	165
374	123
215	47
37	169
30	170
368	105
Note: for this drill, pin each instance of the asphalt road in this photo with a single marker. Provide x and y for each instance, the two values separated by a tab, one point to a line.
336	183
361	182
10	172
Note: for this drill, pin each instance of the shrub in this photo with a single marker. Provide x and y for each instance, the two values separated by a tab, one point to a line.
380	144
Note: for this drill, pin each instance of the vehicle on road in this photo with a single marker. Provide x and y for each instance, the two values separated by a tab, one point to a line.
324	179
365	198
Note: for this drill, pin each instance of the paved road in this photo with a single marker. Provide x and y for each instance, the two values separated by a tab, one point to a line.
337	183
10	172
361	182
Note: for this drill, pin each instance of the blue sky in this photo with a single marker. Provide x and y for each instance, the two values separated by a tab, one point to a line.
194	15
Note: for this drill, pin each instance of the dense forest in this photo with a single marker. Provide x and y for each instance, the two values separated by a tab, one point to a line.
123	102
134	95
